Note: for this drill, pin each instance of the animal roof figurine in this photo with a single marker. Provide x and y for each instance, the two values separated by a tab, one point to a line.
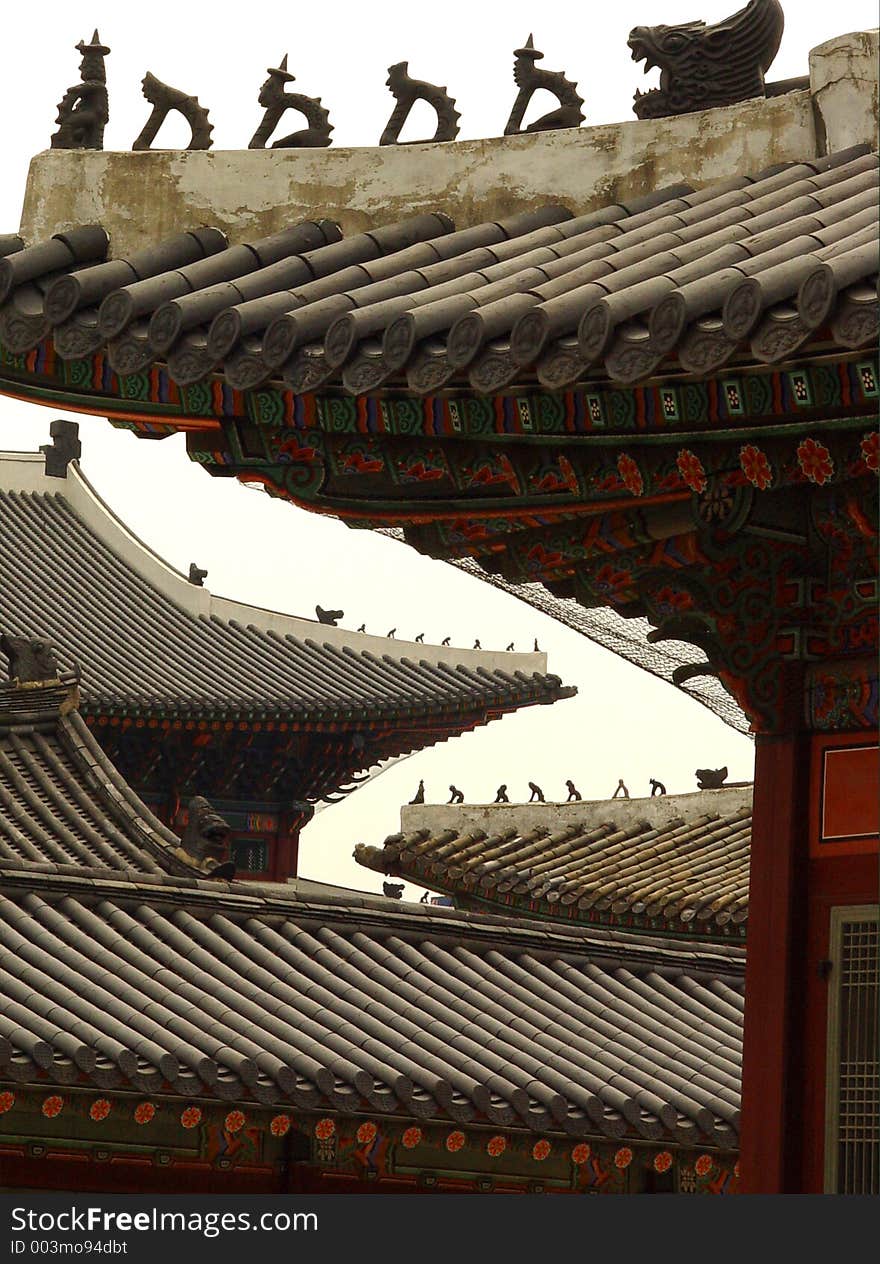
455	795
164	100
419	796
84	110
406	92
537	794
276	102
657	787
704	66
330	617
573	792
529	79
501	795
621	790
711	778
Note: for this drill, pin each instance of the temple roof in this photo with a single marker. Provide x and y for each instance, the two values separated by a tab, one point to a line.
254	993
676	864
149	642
63	805
752	266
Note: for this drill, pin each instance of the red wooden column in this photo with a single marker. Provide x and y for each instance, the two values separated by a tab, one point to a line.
770	1139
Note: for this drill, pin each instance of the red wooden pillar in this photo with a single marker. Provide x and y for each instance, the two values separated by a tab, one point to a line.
770	1139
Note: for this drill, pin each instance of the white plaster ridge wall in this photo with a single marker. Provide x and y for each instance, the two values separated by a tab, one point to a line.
25	472
843	82
252	193
496	817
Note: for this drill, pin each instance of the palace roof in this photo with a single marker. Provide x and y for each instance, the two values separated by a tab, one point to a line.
151	643
676	864
752	266
63	805
249	993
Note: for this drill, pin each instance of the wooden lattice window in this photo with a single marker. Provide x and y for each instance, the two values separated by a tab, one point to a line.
251	855
852	1109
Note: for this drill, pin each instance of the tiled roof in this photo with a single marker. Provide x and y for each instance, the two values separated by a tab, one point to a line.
752	266
252	993
676	864
62	803
149	642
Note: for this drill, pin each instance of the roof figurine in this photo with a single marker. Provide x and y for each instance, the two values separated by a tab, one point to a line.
393	890
477	645
711	778
329	617
509	647
207	837
30	659
657	787
420	639
419	796
705	66
64	448
166	100
529	79
537	795
621	790
197	575
391	634
84	110
574	795
276	102
455	795
501	794
406	91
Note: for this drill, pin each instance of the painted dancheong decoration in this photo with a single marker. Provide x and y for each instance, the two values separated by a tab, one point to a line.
84	110
276	101
406	91
165	100
704	66
530	79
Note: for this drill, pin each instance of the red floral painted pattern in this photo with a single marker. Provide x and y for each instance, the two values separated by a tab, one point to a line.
454	1141
144	1112
690	467
280	1126
815	461
870	446
580	1154
756	467
540	1150
736	1169
662	1161
191	1117
99	1109
53	1106
367	1133
411	1138
623	1157
496	1146
7	1101
630	474
235	1121
703	1165
324	1128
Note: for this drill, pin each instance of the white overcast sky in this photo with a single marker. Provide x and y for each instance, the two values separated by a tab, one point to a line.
624	723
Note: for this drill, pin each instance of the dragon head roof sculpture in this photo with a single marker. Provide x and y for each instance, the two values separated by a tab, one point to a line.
704	66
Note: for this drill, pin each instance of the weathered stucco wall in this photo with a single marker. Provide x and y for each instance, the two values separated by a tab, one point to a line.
843	81
250	193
